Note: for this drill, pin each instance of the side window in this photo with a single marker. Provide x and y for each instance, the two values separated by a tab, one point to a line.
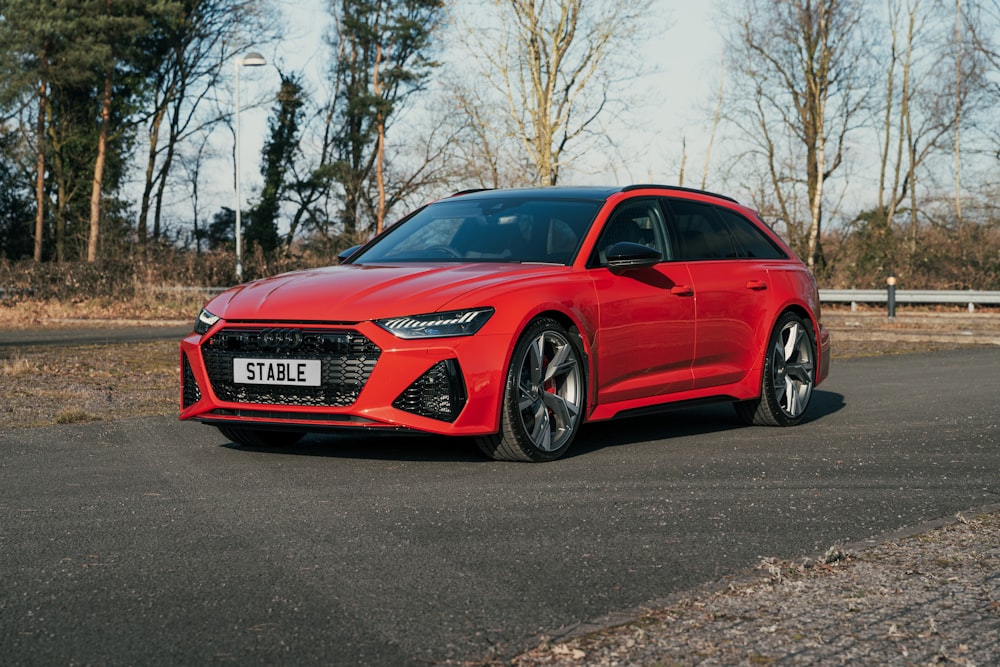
637	221
700	232
752	242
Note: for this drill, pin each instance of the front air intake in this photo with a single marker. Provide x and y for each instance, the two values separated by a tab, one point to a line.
190	392
437	394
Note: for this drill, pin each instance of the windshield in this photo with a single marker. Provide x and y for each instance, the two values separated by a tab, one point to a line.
487	230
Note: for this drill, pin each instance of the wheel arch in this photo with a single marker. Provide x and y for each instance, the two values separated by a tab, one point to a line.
808	316
756	374
576	326
586	345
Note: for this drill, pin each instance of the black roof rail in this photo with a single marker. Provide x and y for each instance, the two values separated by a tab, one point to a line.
642	186
469	191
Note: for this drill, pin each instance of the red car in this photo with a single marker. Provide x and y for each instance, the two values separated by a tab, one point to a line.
515	316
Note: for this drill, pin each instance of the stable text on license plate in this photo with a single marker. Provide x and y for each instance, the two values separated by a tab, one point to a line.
296	372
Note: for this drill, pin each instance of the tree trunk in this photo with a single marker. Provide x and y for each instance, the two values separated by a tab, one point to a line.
40	175
816	204
102	149
380	143
958	113
147	190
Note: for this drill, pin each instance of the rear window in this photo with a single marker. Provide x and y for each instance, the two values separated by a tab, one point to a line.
701	234
752	242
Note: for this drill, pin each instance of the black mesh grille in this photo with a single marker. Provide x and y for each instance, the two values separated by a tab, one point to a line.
437	394
347	358
191	393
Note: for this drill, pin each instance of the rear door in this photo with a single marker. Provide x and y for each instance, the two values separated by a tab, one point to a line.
732	294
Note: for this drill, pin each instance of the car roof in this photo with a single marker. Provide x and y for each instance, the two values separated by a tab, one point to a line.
592	192
586	192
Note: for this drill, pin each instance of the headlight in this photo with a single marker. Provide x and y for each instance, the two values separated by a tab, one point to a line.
437	325
204	322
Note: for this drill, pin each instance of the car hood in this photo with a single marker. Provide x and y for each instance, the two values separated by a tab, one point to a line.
354	293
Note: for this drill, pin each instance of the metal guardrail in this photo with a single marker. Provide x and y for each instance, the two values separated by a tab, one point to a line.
959	297
211	291
15	292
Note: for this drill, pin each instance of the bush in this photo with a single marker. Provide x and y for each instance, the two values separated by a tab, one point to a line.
126	278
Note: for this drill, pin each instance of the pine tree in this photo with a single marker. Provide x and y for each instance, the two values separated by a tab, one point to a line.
279	154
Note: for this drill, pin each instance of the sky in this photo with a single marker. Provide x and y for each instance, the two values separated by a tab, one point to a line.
677	99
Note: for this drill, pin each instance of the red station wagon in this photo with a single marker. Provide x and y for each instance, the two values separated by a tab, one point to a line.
515	316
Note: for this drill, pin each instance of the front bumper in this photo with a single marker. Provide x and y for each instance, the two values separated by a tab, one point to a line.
370	380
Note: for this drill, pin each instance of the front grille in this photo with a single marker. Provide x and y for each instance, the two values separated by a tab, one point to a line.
190	392
437	394
347	359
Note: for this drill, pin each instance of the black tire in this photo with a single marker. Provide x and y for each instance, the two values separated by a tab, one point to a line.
258	437
788	377
544	398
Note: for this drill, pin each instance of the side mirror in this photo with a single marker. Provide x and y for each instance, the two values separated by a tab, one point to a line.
345	255
624	256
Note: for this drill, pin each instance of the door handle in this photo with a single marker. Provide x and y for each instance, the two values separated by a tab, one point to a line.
756	285
681	290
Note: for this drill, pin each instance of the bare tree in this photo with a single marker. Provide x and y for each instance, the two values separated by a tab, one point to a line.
480	155
716	116
552	62
982	18
795	71
188	56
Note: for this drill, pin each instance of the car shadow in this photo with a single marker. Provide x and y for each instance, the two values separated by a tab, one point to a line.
685	421
376	447
668	424
824	403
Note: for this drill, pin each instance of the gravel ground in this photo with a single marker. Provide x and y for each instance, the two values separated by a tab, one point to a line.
929	598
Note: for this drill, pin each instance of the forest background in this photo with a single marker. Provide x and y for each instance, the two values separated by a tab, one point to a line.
864	131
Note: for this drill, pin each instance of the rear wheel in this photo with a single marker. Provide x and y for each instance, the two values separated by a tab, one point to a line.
788	377
258	437
544	396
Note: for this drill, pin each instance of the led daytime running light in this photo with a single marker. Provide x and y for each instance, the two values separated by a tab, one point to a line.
204	322
437	325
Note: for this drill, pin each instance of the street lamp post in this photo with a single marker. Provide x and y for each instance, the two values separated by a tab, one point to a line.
252	59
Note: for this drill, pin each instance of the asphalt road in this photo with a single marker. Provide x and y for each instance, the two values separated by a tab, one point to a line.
155	542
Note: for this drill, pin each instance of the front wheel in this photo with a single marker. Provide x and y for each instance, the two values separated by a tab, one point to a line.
544	396
256	437
788	377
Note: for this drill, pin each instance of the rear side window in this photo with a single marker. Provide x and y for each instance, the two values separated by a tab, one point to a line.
752	242
700	232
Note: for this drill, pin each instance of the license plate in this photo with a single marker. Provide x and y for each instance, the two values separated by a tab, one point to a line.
295	372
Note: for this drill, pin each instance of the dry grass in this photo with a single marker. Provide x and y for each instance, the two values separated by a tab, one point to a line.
53	384
17	367
160	306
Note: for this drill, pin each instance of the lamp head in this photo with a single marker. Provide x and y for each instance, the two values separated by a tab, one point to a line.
252	59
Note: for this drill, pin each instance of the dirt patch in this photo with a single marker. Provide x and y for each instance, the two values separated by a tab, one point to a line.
931	598
872	333
59	384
